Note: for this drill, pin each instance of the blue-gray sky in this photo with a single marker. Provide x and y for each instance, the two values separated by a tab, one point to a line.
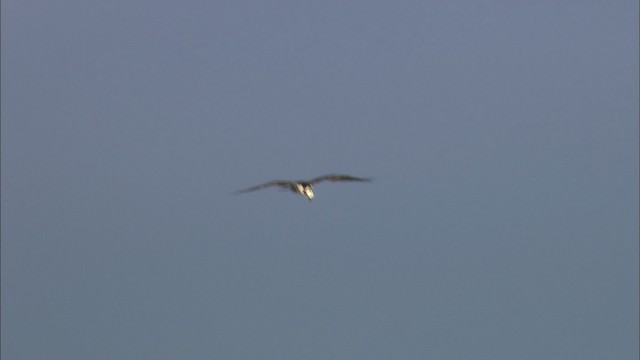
502	222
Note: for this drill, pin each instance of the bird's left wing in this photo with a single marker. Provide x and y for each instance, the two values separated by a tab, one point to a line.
338	177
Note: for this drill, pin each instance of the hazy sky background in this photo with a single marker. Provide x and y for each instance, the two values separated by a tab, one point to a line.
502	222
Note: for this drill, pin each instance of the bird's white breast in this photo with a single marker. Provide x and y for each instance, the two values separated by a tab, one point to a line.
309	193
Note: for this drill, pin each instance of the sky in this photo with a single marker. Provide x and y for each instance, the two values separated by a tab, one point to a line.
502	137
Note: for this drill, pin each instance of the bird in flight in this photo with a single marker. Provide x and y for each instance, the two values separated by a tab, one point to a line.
304	187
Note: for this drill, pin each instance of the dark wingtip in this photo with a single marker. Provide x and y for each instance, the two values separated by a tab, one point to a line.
367	179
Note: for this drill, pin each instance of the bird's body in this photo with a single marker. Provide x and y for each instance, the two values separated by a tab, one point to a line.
304	187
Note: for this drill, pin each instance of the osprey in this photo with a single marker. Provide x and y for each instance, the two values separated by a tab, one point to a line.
304	187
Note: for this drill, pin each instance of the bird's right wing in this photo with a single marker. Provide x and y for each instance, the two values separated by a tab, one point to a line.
282	183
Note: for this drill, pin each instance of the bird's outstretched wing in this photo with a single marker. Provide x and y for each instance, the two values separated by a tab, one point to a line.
338	177
282	183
